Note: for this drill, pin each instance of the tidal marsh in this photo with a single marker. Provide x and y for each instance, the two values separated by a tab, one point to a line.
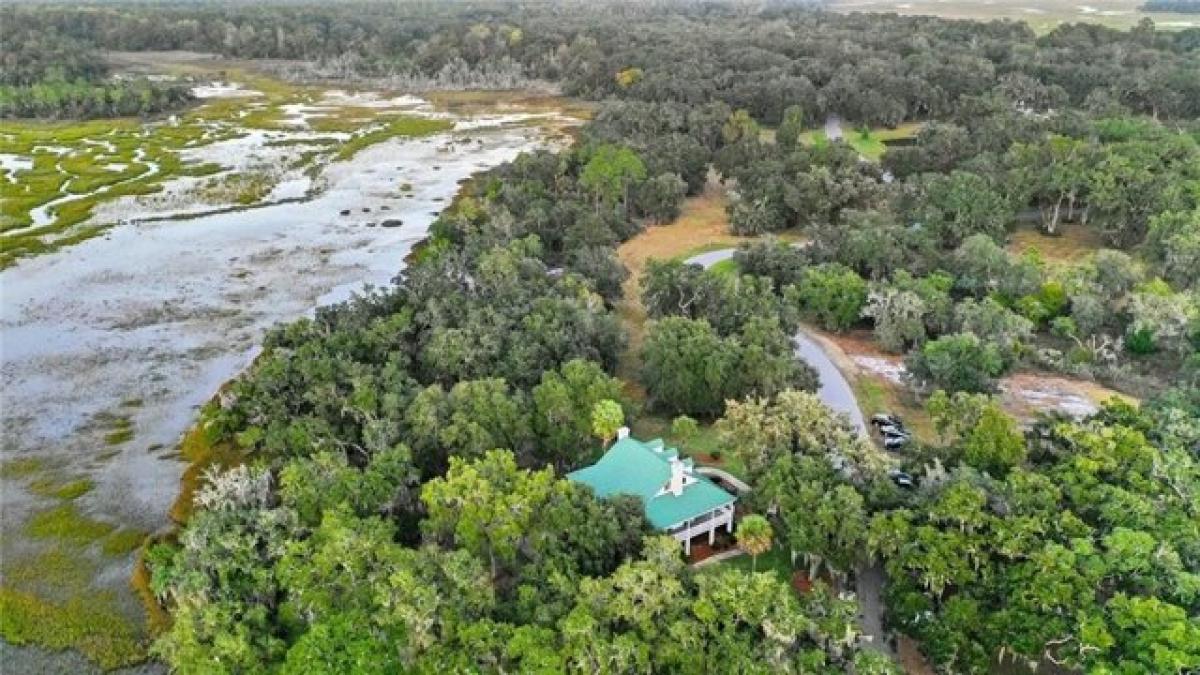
65	174
111	345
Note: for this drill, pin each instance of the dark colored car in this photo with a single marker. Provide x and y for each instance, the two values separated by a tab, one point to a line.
885	419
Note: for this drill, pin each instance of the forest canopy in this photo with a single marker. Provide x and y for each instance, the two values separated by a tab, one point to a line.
398	500
46	74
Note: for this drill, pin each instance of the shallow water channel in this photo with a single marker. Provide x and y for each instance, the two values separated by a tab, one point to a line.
144	324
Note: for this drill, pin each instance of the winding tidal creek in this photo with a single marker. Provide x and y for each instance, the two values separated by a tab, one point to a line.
108	347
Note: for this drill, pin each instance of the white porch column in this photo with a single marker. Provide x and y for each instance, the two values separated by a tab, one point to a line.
712	532
729	521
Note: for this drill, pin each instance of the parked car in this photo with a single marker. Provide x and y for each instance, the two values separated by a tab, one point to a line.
902	479
882	419
895	442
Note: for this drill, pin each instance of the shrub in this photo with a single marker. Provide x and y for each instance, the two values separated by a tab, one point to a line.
1141	342
833	295
959	362
1064	327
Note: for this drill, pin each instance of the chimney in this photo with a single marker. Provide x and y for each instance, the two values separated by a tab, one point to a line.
675	487
622	433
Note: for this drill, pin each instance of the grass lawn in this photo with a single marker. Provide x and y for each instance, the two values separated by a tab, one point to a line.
725	268
872	144
776	561
705	447
877	394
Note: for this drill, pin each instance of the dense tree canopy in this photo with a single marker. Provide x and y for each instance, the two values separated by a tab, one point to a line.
401	505
46	74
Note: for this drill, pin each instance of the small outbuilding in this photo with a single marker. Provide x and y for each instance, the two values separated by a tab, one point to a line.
677	500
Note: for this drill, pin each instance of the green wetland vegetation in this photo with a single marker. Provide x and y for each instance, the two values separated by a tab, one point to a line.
383	490
77	166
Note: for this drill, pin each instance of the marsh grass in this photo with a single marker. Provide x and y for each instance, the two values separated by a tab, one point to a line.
201	453
83	622
407	127
52	487
238	188
122	542
21	467
150	155
122	432
65	522
47	597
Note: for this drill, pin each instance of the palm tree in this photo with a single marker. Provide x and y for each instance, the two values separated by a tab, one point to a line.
754	535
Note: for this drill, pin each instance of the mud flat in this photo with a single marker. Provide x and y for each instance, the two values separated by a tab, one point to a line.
108	347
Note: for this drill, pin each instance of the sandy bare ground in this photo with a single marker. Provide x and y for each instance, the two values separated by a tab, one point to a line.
701	224
1023	394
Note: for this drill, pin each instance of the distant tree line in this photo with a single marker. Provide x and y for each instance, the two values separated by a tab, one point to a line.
45	74
870	69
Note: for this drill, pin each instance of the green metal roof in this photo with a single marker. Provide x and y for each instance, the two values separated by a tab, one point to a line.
642	469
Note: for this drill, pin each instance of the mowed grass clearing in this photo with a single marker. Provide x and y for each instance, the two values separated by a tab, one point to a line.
870	143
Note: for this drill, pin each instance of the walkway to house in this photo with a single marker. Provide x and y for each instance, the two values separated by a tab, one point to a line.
714	472
718	557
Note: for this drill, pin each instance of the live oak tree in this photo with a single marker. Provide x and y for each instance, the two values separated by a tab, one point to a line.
659	198
765	430
788	133
823	518
487	507
832	294
955	206
958	362
565	404
688	368
899	317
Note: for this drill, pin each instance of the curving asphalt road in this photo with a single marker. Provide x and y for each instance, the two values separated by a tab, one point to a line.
835	390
